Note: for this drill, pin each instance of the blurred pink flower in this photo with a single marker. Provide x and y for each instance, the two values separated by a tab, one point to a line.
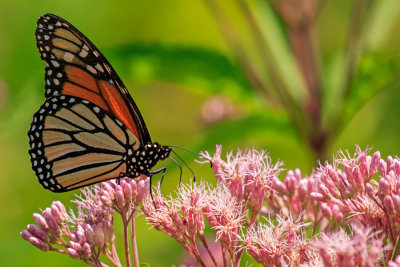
360	248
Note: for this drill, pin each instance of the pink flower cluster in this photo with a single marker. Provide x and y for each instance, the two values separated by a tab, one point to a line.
182	217
361	248
346	213
90	232
366	189
249	175
49	228
268	243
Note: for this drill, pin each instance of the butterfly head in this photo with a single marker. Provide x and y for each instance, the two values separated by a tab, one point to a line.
156	151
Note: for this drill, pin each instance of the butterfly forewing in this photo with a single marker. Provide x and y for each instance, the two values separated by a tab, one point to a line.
75	67
75	143
88	129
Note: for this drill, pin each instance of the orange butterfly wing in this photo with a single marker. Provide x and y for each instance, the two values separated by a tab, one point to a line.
75	67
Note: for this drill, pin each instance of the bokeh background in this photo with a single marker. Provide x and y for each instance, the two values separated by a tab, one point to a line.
181	64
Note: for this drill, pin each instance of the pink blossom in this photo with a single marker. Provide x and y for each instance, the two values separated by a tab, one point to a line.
277	245
225	215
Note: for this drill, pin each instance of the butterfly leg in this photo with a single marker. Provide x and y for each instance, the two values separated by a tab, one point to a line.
121	175
151	182
180	168
163	169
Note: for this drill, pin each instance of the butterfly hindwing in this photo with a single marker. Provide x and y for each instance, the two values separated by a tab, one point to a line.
75	143
75	67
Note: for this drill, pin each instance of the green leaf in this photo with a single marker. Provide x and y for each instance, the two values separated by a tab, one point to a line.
144	265
374	75
202	70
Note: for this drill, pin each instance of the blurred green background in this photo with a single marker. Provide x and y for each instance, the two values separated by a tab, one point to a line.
181	72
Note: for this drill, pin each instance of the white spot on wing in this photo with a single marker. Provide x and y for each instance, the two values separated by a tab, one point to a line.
91	69
56	81
83	53
55	63
99	67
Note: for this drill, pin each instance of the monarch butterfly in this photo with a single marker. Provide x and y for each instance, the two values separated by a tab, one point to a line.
89	129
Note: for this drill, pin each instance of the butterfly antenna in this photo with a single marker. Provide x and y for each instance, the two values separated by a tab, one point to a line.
187	166
180	168
194	153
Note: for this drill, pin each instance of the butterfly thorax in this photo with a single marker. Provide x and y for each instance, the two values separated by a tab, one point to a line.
142	160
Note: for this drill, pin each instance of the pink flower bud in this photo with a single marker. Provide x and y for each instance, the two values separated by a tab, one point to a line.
303	191
339	217
370	190
389	163
396	203
80	234
376	157
397	166
98	240
142	190
326	210
73	236
38	232
108	232
39	243
105	186
335	209
76	246
89	233
325	192
86	249
217	168
60	206
106	199
119	196
316	196
388	202
382	167
279	186
290	182
133	188
40	221
127	189
332	173
25	234
57	209
73	253
359	181
384	187
297	175
51	222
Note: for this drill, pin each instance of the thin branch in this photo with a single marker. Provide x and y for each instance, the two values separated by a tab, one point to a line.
126	239
236	46
133	240
294	110
203	240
